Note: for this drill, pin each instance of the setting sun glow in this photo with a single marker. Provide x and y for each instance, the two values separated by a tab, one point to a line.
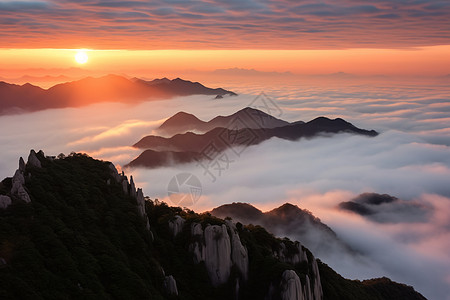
81	57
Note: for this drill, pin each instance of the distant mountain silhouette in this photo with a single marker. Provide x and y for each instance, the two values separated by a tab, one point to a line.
184	87
384	208
287	220
110	88
244	128
245	118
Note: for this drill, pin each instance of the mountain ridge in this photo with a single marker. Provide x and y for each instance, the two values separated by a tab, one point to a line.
247	117
246	127
88	90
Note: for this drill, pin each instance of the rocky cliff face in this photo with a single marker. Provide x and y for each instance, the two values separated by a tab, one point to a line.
217	250
220	248
291	287
176	225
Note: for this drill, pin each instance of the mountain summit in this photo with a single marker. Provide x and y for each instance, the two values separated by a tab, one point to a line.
247	117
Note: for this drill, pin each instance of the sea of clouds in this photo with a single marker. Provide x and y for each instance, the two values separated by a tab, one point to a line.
410	160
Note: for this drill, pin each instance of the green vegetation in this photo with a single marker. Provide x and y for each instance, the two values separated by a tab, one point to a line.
81	237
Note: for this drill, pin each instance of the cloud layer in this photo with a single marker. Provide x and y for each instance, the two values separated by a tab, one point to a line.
410	160
209	24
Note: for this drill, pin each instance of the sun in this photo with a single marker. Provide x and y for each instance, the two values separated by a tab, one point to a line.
81	57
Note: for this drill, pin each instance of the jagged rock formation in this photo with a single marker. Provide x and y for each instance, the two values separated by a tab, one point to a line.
18	190
220	248
170	285
22	164
130	189
33	160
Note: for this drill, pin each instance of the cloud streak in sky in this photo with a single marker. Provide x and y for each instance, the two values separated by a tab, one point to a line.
211	24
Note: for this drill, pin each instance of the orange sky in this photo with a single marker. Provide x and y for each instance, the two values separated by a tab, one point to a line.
421	61
306	37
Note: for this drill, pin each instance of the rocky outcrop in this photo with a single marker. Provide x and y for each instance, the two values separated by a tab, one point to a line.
125	185
176	225
5	201
196	247
295	257
33	161
141	207
18	189
21	165
220	248
239	254
307	293
170	285
290	286
217	253
18	180
317	288
132	188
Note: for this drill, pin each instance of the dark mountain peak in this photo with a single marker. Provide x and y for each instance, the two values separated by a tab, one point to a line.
163	80
251	110
183	114
287	207
321	119
238	210
324	121
384	208
325	124
28	85
288	211
180	119
374	198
